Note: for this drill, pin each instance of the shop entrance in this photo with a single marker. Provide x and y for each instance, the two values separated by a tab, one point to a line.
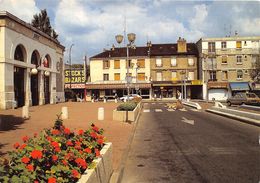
19	86
34	90
47	89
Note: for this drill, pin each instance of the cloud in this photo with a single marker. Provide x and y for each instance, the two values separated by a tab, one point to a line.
23	9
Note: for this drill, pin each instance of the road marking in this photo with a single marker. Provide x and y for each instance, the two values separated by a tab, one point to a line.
224	150
160	103
170	110
146	110
189	121
183	109
153	103
195	110
158	110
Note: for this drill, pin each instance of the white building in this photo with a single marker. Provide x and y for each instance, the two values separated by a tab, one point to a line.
31	65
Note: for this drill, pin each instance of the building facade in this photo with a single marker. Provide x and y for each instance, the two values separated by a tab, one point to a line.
31	65
226	64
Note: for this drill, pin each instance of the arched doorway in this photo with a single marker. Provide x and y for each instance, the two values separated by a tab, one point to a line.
34	79
19	93
47	64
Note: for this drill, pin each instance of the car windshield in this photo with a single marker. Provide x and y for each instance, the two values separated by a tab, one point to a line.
251	95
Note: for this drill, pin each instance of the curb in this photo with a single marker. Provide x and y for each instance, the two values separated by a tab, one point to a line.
192	104
243	119
118	174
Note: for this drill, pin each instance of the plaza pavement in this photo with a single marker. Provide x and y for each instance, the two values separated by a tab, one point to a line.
81	115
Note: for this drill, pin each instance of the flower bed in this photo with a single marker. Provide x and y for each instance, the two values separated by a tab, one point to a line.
53	155
122	115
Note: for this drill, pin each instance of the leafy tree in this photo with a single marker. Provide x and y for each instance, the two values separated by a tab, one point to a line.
255	73
41	21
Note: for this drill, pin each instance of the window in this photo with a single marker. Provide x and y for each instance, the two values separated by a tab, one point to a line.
173	62
105	77
159	76
191	75
190	61
224	75
141	76
245	58
105	64
158	62
224	59
174	75
246	71
223	45
239	59
238	44
212	76
116	64
130	64
211	47
141	63
117	76
239	74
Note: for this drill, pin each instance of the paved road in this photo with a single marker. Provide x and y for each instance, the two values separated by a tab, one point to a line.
191	146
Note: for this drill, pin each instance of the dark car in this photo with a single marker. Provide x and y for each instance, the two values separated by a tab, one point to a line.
243	98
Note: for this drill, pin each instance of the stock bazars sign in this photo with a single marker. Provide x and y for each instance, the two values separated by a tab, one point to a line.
74	78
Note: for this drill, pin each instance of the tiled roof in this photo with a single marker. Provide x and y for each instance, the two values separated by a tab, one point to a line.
155	50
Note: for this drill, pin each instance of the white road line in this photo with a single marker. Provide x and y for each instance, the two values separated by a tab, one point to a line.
153	103
158	110
170	110
146	110
189	121
183	109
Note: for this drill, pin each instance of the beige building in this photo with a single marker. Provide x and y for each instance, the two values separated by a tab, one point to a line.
174	68
226	65
31	65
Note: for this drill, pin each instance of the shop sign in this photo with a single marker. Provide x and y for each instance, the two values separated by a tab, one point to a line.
74	76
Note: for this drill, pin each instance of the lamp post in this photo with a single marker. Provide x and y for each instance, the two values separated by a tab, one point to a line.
131	39
70	62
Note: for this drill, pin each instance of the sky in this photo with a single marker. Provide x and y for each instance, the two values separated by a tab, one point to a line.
91	25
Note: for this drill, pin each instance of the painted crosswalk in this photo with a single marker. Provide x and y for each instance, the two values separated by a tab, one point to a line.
146	110
158	110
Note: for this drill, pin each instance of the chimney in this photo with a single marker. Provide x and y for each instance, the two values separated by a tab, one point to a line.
113	47
182	46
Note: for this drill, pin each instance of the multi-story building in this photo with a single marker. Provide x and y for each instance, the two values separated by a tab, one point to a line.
174	67
31	65
157	70
108	71
226	64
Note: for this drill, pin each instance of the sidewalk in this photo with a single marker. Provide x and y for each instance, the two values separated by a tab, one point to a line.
81	115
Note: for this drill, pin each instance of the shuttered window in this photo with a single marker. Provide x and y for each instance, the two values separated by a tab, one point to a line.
116	64
224	59
158	62
117	76
141	63
190	61
106	64
191	76
173	62
238	44
159	76
141	76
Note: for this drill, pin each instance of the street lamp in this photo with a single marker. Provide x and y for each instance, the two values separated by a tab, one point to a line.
70	62
131	39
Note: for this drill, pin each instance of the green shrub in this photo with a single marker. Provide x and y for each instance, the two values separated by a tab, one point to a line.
128	106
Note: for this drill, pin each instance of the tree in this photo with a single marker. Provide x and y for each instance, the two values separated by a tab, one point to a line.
41	21
255	73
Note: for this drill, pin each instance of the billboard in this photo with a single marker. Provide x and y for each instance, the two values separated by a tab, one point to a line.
74	78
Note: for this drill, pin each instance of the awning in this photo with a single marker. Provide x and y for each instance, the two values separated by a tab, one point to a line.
239	86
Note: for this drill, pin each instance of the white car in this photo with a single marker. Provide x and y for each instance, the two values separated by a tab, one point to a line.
131	97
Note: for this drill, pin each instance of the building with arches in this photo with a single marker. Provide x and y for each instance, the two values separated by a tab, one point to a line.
31	65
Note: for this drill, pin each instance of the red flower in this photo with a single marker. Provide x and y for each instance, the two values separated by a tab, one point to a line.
25	160
80	139
100	141
51	180
69	143
93	135
81	163
36	154
80	132
35	134
57	149
75	173
49	139
36	181
97	152
95	128
30	167
16	145
67	131
55	144
54	158
87	150
23	146
25	138
65	162
55	132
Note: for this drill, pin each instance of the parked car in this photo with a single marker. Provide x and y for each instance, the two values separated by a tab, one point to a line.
243	98
131	97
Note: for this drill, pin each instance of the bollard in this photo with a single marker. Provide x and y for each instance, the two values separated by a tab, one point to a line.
64	113
101	113
115	100
25	112
92	100
105	100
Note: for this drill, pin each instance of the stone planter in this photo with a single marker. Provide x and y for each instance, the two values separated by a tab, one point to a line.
103	170
121	115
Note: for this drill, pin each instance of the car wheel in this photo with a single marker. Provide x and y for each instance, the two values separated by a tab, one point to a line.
229	103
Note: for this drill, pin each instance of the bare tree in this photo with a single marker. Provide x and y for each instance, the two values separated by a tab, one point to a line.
255	73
